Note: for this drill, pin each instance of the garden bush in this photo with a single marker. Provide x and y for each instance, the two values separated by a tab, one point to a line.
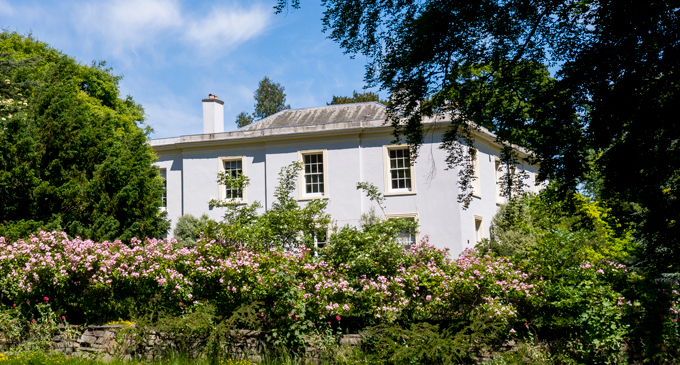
563	296
189	228
595	307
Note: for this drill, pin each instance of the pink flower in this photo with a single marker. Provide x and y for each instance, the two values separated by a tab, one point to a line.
428	298
329	322
46	298
15	305
512	330
337	317
63	317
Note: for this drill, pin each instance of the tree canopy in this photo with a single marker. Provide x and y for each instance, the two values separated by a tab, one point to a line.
357	98
72	150
587	86
270	98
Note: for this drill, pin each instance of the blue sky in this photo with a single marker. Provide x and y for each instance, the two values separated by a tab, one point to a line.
173	53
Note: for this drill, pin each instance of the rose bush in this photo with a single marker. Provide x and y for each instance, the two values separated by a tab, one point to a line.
96	282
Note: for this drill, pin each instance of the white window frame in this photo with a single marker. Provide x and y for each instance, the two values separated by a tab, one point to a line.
325	243
222	189
498	174
412	216
477	183
163	172
387	171
479	231
302	188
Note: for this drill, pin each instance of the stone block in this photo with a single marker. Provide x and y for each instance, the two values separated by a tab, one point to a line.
107	358
90	350
88	339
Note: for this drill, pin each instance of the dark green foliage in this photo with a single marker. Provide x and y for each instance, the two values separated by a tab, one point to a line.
73	153
611	94
584	316
270	98
196	333
357	98
15	230
425	343
243	119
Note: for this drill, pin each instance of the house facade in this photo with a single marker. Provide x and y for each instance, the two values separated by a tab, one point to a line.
339	146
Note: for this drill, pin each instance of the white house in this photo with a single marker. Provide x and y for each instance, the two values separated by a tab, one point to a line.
339	145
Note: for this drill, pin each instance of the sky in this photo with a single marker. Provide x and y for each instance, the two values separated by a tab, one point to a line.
173	53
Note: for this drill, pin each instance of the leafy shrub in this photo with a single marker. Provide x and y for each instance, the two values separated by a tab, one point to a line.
520	224
286	225
574	248
26	327
14	230
189	228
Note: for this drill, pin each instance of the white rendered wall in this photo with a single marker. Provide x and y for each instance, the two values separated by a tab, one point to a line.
192	175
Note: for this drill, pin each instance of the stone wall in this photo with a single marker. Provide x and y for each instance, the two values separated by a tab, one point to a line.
100	342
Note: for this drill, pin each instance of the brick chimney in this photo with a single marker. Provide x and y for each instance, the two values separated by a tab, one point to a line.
213	115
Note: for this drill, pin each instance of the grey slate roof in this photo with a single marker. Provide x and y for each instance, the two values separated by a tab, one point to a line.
321	115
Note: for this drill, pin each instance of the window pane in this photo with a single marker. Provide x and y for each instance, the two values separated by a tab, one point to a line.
233	168
400	168
314	173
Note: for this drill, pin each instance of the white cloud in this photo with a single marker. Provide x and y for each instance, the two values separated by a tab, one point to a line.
129	24
225	29
132	25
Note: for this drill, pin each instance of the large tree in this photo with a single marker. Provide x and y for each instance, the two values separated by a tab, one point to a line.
72	152
590	87
270	98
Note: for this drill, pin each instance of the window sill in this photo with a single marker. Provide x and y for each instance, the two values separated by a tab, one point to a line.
237	202
312	197
398	192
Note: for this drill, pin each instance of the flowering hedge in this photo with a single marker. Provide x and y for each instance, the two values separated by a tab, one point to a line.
354	283
94	280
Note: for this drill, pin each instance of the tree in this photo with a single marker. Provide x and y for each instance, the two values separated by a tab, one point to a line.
285	224
72	154
357	98
567	80
243	119
269	99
